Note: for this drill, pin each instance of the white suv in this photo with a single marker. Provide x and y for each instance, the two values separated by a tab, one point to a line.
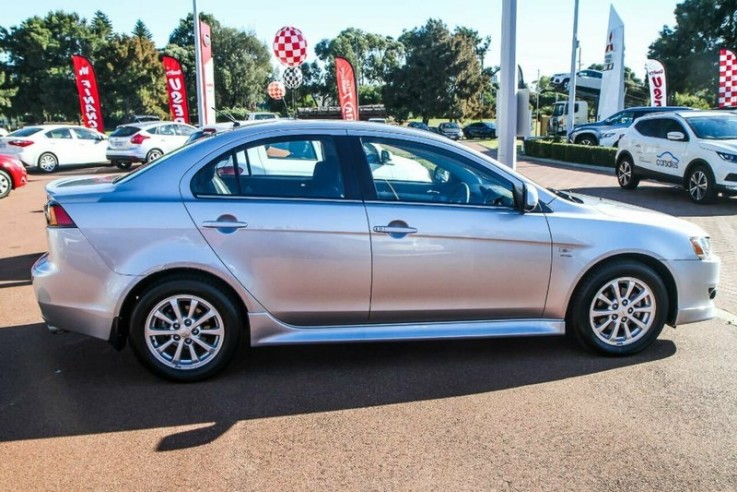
695	149
144	142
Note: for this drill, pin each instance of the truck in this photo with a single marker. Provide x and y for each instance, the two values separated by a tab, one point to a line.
558	122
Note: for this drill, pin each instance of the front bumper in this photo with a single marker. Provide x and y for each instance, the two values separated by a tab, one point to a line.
697	282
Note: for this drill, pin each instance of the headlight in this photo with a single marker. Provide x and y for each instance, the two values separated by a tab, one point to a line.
701	247
609	135
728	157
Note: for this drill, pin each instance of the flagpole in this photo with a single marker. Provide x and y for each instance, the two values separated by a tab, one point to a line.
572	79
201	110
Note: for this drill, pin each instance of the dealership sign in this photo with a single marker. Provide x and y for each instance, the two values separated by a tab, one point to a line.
347	94
656	79
178	107
89	99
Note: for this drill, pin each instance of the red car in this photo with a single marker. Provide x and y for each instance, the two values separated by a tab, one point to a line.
12	175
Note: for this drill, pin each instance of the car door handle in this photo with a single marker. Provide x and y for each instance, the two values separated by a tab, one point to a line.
395	229
224	224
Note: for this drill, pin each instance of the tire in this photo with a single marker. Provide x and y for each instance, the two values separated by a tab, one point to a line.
611	327
153	154
47	162
700	185
6	184
566	84
123	164
626	174
202	352
587	140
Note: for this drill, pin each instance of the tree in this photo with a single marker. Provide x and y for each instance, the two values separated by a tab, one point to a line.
39	65
242	63
441	75
141	31
690	50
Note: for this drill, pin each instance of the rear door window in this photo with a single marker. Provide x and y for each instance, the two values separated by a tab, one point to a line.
125	131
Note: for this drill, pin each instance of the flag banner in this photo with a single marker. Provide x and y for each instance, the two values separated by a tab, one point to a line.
656	80
727	79
347	94
207	75
611	98
89	99
178	107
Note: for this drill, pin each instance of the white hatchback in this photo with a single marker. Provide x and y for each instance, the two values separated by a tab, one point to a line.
145	142
695	149
46	147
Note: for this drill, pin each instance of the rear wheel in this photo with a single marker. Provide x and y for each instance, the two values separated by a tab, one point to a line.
123	164
185	329
6	184
620	309
626	174
700	185
47	162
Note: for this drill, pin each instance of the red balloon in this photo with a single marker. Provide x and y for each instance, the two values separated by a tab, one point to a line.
276	90
290	46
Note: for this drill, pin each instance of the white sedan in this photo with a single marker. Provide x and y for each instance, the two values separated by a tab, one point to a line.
46	147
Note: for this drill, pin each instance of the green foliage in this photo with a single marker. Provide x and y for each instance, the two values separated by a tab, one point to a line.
690	50
441	75
700	100
141	31
583	154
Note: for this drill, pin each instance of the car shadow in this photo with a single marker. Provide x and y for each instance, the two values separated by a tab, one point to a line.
69	385
16	271
672	200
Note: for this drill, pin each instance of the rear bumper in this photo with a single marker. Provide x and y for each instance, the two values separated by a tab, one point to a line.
125	156
697	282
75	290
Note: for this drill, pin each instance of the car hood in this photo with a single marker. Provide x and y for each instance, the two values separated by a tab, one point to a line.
727	146
80	186
623	212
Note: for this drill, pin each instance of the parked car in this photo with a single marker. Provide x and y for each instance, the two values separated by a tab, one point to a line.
46	147
451	130
145	142
339	255
481	129
433	129
695	149
418	125
559	80
607	132
12	174
141	118
587	80
257	116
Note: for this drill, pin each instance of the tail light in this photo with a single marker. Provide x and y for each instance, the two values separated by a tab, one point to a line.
56	216
21	143
138	138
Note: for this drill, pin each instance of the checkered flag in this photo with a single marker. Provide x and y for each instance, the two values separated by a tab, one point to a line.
727	79
290	46
292	77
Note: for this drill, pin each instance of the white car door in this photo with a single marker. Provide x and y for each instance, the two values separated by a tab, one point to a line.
61	143
91	145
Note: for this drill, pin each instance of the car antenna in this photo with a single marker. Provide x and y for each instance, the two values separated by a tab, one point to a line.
227	115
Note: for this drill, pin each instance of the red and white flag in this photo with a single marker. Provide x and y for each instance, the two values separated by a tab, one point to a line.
727	79
656	79
89	99
347	93
178	107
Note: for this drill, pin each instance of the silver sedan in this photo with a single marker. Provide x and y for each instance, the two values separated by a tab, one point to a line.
289	232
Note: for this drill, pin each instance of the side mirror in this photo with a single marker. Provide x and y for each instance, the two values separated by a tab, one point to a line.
530	198
386	157
676	136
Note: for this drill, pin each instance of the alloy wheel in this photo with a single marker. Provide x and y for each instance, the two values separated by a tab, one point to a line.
698	185
622	311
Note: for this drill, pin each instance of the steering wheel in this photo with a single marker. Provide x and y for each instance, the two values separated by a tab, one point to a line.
461	194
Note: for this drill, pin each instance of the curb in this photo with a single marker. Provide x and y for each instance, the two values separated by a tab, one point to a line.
609	171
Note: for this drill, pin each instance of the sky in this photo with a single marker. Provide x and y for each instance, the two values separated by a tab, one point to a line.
544	27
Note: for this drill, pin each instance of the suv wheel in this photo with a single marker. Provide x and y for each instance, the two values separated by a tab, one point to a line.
626	174
700	185
587	140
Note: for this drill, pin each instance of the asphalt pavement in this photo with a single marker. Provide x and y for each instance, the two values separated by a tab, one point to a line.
516	414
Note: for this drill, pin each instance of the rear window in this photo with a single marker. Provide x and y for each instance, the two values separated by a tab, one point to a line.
25	132
125	131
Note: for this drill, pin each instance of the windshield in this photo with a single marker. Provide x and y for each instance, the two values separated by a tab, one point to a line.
722	127
125	131
450	126
25	132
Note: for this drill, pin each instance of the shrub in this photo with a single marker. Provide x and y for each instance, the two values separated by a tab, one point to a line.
583	154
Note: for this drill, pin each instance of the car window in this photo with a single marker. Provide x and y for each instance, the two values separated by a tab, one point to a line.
412	172
670	125
85	134
283	168
25	132
167	130
186	130
622	118
62	133
125	131
722	127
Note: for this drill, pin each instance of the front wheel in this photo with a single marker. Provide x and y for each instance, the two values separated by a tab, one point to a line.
626	174
587	140
185	329
620	309
6	184
700	185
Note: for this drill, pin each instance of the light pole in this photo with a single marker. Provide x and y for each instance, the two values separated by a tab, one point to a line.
572	80
201	109
507	94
